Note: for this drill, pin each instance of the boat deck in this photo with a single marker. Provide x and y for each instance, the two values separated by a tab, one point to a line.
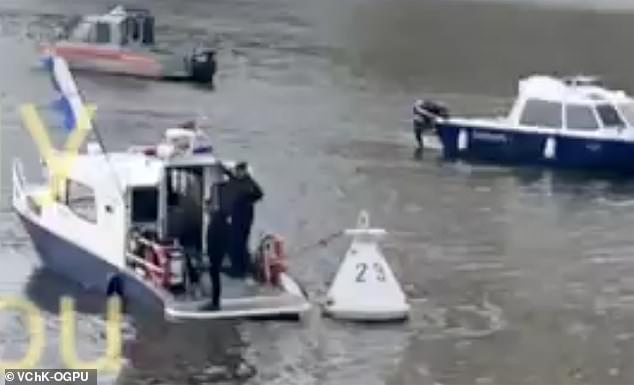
238	300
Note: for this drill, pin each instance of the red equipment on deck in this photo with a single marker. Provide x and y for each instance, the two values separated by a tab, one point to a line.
271	260
162	264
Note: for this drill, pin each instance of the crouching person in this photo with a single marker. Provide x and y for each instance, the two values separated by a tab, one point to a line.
425	115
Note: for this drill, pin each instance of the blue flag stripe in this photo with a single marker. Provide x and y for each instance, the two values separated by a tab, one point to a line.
69	103
49	65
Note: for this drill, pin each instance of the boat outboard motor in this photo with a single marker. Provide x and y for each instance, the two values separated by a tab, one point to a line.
203	65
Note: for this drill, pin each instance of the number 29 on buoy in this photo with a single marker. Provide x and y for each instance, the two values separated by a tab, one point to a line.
362	272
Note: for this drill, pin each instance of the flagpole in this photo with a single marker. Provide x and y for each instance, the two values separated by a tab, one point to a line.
64	82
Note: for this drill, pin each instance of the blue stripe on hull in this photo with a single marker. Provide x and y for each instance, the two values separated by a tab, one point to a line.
84	267
520	148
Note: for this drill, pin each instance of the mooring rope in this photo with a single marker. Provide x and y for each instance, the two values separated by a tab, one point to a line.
321	242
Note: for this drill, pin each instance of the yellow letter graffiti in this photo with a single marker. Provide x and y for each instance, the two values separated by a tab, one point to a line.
112	358
59	165
36	331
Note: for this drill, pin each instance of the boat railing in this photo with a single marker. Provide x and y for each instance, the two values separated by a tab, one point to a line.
18	189
135	259
18	179
582	80
138	11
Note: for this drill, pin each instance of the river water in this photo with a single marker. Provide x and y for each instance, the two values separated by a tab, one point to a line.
517	276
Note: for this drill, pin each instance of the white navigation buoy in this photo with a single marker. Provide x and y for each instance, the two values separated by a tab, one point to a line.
365	288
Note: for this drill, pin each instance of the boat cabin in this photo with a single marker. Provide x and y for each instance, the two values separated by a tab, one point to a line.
176	206
161	193
120	27
577	104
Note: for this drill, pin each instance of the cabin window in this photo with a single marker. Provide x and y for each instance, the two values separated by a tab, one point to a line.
581	117
102	33
541	113
145	205
81	200
610	116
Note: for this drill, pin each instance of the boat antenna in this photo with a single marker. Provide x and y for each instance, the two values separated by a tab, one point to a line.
104	151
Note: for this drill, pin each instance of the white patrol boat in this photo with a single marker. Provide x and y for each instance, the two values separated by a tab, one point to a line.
134	224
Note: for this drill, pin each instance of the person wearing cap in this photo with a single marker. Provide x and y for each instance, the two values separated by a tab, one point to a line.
245	192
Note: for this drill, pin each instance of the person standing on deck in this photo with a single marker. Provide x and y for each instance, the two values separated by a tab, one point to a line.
218	239
245	193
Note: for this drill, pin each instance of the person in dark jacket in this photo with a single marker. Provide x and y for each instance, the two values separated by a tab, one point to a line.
425	115
217	246
245	193
419	122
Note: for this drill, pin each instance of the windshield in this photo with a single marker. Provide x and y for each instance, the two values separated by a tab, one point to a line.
627	110
610	116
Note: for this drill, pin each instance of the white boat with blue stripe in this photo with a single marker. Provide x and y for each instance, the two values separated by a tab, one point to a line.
134	223
559	122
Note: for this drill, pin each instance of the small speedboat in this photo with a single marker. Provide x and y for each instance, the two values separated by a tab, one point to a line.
570	122
133	224
123	42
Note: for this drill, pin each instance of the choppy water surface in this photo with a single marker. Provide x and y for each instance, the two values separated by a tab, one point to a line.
518	276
